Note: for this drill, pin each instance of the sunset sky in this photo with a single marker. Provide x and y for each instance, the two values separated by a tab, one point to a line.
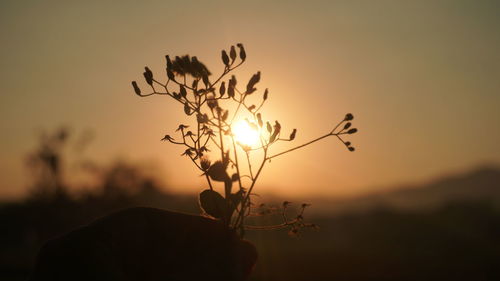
422	79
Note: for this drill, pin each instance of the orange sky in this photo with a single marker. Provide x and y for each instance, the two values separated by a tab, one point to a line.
421	77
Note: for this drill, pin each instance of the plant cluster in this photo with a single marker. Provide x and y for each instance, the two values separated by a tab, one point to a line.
213	146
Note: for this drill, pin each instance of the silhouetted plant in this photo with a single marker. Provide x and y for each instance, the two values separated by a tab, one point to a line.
189	82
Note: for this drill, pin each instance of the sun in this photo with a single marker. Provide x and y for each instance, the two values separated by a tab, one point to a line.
245	134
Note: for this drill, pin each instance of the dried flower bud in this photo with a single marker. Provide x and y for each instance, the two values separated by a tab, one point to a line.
187	108
225	58
222	89
205	80
251	83
170	74
232	54
225	115
259	120
167	138
136	88
205	164
243	54
148	76
183	91
292	135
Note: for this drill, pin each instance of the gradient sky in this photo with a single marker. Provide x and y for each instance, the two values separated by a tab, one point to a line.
421	77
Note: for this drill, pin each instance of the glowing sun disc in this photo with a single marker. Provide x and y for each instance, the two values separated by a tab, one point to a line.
245	134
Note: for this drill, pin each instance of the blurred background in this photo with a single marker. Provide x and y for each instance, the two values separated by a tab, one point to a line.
418	200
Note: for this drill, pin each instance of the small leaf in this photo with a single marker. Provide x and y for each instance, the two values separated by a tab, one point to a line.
225	58
235	177
352	131
217	171
213	204
136	88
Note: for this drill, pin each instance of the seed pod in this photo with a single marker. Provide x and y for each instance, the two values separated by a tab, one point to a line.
352	131
268	127
225	115
187	109
225	58
259	120
232	54
251	84
292	135
170	74
183	91
148	75
205	80
266	92
348	117
222	89
347	125
136	88
169	62
205	164
243	54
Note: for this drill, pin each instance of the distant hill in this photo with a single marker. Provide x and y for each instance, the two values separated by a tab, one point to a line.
481	184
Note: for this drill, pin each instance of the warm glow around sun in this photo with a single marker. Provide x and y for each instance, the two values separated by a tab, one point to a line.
245	134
